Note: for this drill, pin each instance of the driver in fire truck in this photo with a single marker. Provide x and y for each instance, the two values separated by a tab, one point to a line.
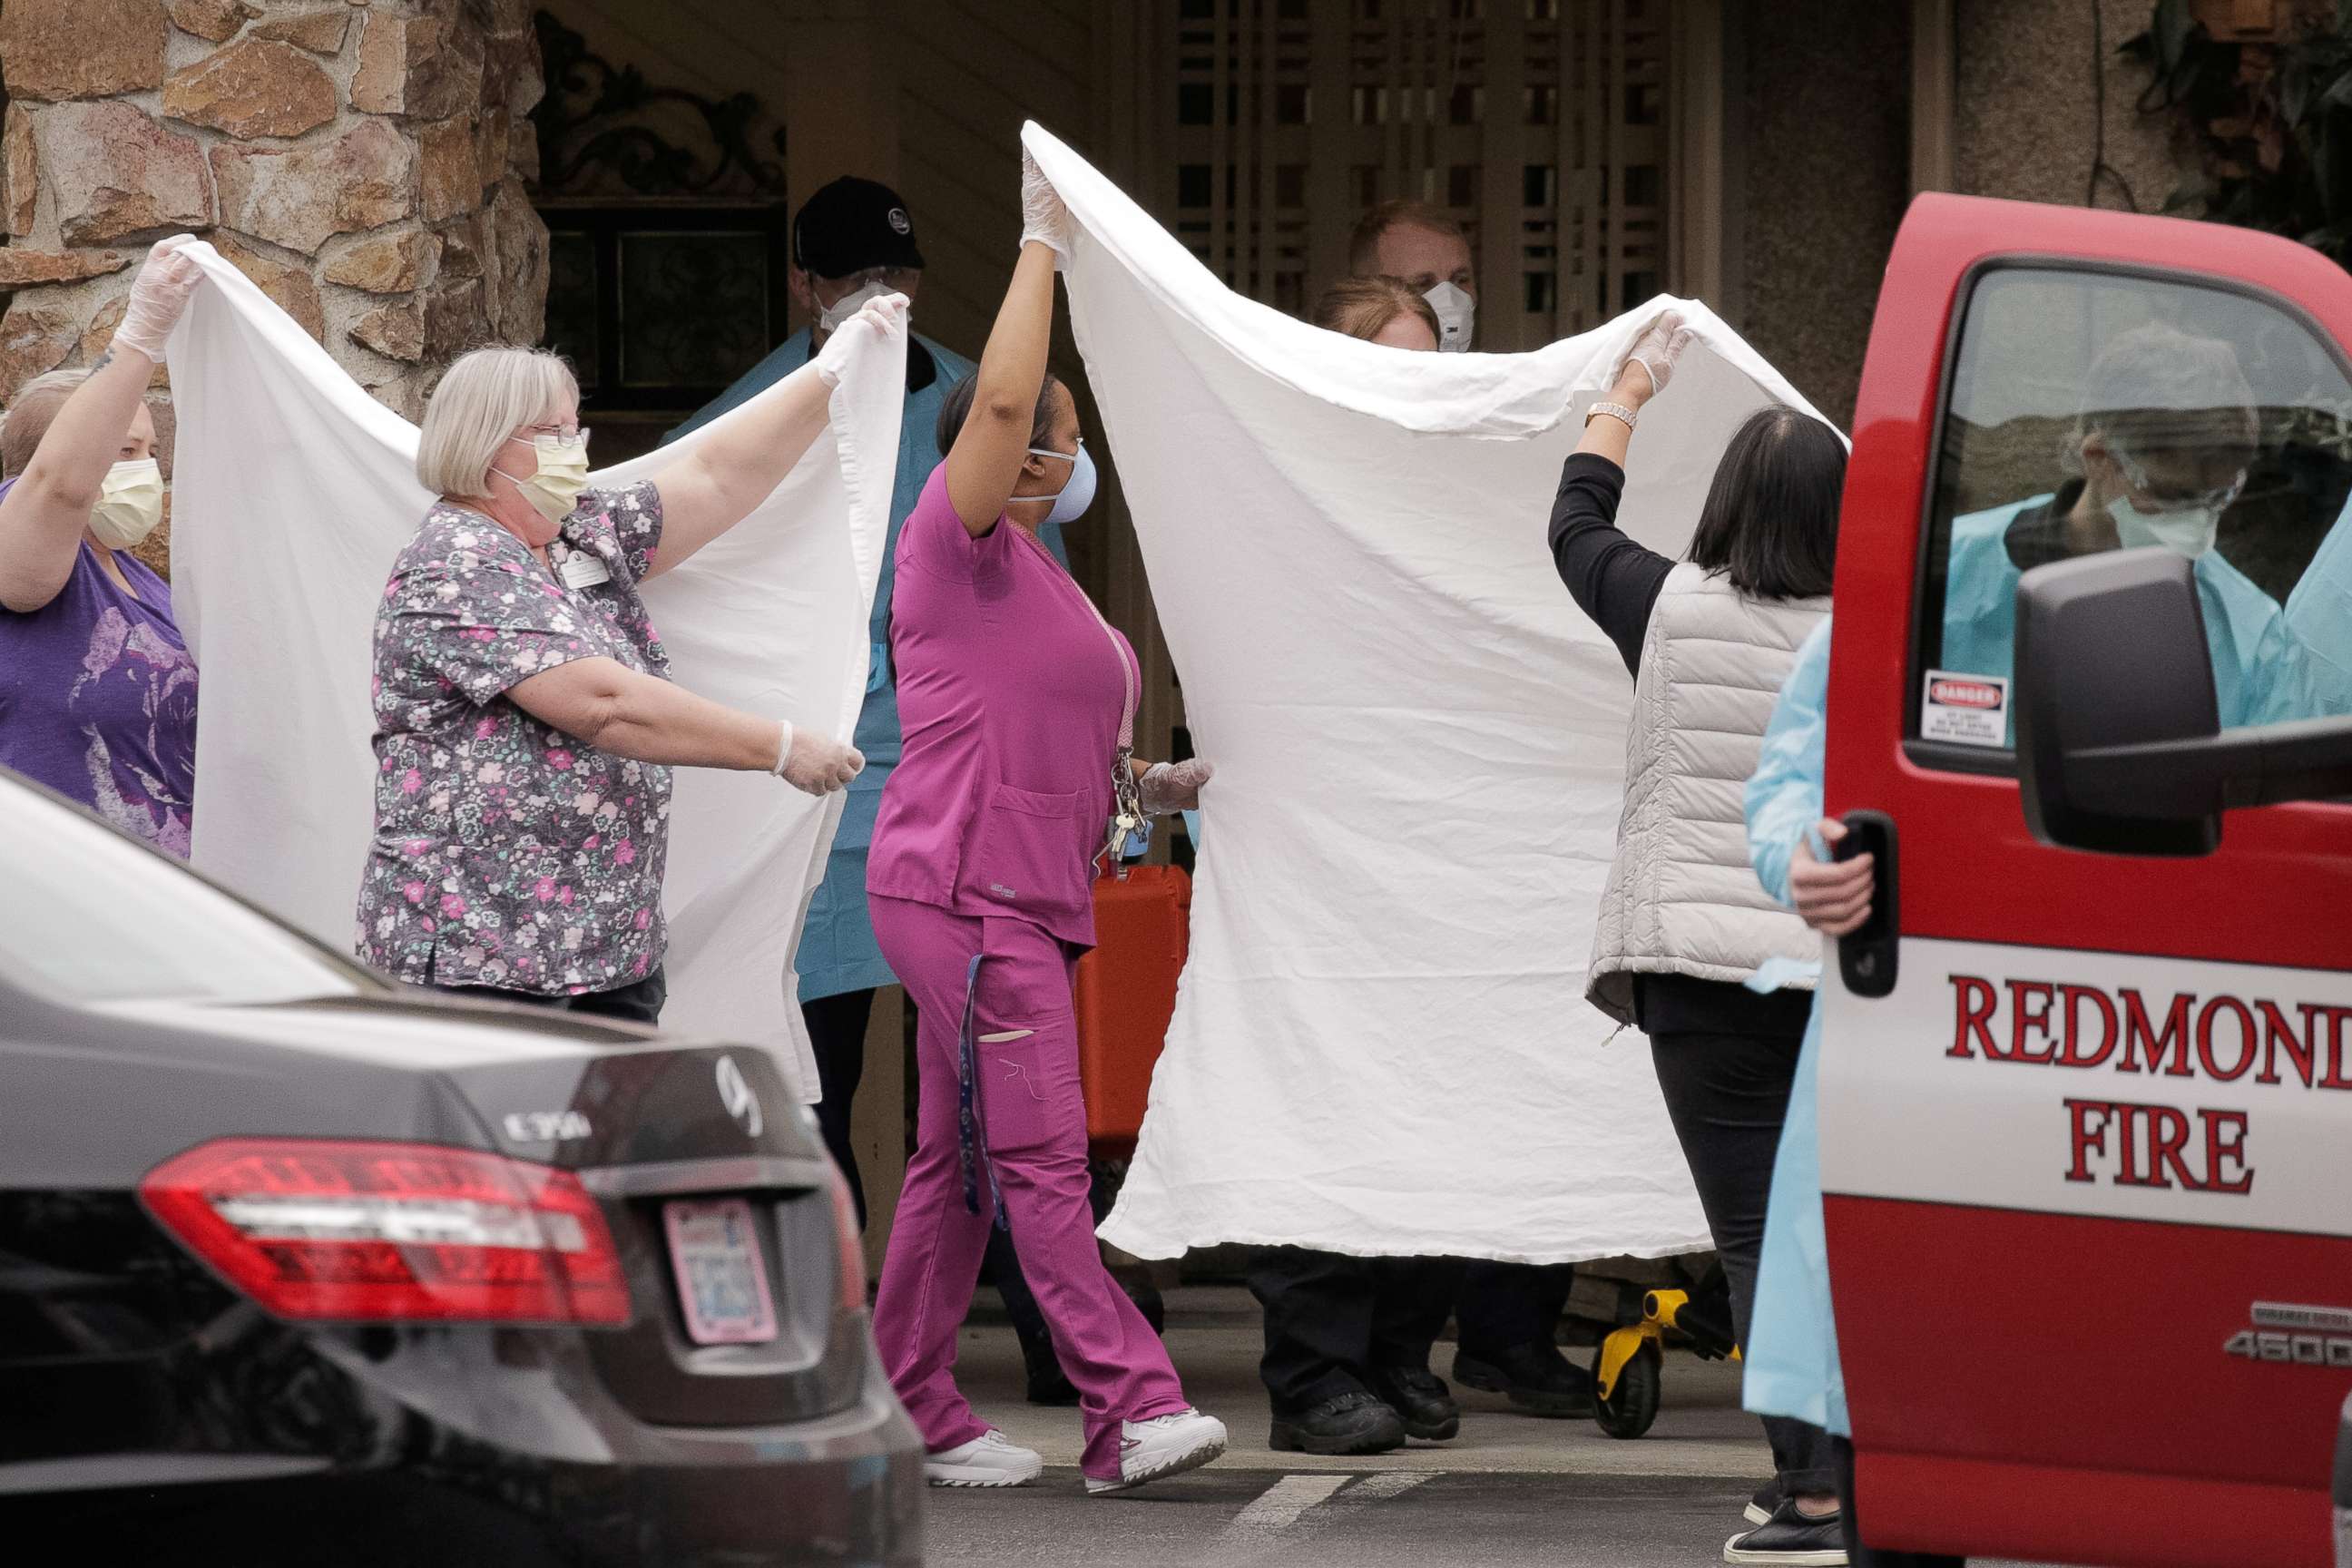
2164	443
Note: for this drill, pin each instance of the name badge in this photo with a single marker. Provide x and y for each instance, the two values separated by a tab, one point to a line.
581	570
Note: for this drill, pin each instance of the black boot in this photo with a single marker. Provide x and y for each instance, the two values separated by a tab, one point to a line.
1421	1400
1355	1423
1538	1378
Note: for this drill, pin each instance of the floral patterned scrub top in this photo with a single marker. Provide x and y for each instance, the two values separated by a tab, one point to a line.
507	853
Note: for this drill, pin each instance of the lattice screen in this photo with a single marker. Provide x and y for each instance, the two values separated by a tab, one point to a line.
1541	125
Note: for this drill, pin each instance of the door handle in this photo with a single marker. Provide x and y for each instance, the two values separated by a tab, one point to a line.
1867	955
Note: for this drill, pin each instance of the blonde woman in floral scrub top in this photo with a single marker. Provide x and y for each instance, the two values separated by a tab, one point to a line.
526	724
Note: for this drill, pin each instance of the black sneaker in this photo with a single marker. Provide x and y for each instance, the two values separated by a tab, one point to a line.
1351	1423
1764	1504
1538	1378
1421	1400
1790	1539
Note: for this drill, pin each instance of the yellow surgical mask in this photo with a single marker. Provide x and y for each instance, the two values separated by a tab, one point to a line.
129	503
554	491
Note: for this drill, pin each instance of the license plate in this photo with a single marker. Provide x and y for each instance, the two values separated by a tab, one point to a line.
722	1280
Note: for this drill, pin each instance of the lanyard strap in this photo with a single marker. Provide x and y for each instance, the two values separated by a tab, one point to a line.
1127	808
971	1116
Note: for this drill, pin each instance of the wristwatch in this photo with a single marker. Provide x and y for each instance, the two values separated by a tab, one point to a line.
1617	411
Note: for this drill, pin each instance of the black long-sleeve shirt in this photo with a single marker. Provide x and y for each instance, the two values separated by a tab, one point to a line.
1613	577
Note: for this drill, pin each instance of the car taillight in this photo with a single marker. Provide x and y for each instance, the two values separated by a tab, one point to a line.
393	1232
851	1270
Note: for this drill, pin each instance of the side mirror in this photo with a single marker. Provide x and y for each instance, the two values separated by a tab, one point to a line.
2119	741
2111	653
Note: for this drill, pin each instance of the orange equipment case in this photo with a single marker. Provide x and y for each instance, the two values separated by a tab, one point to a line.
1126	993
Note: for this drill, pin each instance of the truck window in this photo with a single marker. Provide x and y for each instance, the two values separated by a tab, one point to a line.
2093	411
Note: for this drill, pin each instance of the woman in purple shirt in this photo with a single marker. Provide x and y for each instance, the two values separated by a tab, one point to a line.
97	694
1018	701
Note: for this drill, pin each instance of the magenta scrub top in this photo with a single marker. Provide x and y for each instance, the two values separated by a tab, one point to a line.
1012	690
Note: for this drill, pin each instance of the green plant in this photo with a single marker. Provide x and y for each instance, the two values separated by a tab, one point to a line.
2271	123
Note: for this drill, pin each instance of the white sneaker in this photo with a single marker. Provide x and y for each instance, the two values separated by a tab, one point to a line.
1163	1446
990	1459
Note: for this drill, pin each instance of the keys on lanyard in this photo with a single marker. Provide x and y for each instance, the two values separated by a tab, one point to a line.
1128	837
1130	831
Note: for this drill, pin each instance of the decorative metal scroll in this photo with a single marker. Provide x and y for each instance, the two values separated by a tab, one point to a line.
600	123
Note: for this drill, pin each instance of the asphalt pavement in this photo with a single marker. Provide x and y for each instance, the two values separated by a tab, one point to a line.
1512	1489
1405	1516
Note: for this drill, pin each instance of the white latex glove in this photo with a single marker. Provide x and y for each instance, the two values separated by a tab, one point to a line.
1168	787
881	319
1656	351
158	295
814	763
1043	218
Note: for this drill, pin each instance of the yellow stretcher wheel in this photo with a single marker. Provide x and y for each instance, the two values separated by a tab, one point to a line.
1627	1409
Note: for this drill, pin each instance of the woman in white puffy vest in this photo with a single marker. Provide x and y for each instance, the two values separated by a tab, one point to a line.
1684	921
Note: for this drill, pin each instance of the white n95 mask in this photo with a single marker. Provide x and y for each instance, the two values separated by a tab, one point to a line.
833	316
129	503
2189	532
1456	313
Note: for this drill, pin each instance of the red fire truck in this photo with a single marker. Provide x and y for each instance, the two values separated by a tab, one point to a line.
2086	1078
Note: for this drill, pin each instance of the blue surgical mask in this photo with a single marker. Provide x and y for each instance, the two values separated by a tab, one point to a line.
1073	499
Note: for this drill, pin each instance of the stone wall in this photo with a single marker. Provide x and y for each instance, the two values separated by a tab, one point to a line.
2027	119
362	160
1826	137
1827	147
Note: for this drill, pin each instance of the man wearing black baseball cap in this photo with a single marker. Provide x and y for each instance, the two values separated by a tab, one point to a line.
851	241
849	238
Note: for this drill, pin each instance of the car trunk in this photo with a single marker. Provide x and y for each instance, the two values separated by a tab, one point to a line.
646	1123
679	1145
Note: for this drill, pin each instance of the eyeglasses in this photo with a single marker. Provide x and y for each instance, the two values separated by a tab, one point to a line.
898	280
2219	499
545	435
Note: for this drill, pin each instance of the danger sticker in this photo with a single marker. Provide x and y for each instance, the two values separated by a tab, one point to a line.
1972	709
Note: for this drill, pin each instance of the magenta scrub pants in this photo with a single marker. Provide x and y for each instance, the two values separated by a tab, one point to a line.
1030	1122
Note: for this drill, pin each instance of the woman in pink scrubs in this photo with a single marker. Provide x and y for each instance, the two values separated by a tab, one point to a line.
1018	701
